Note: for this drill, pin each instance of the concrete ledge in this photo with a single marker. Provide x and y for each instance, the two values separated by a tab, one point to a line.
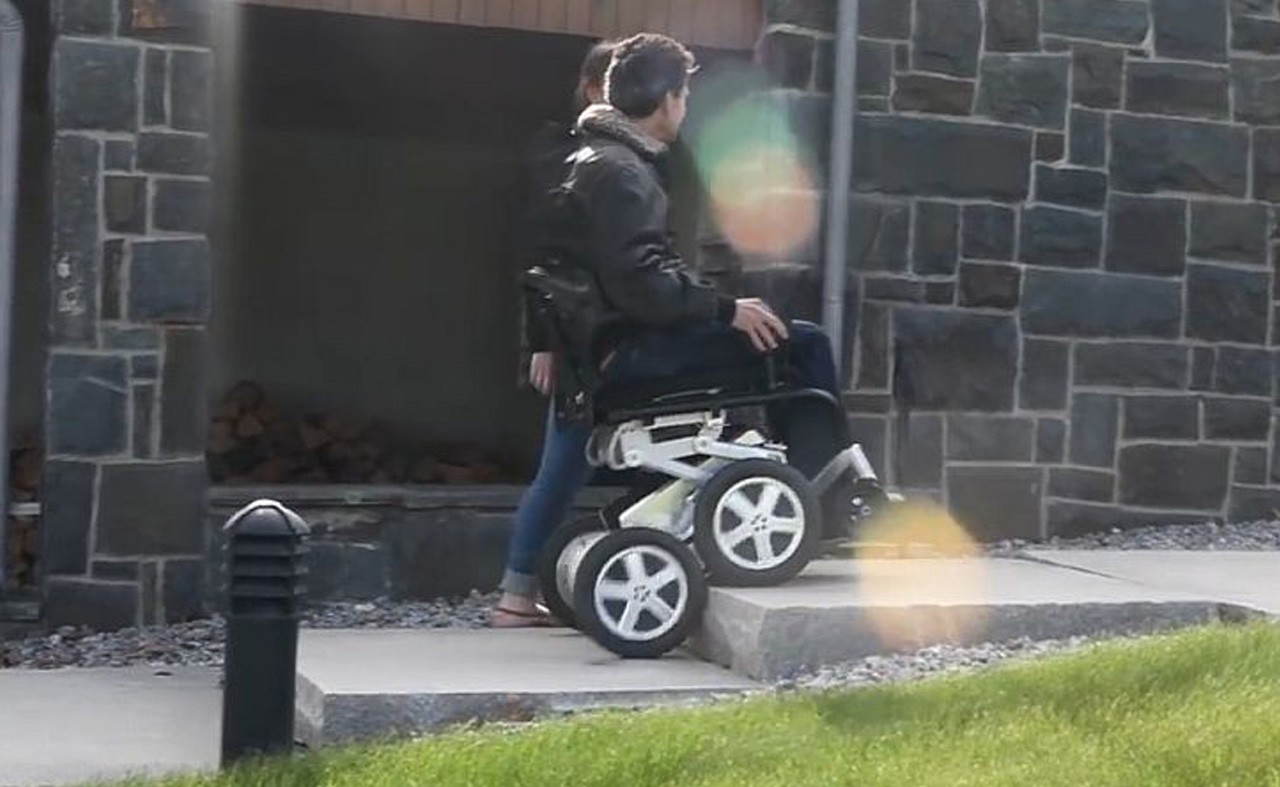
841	611
369	684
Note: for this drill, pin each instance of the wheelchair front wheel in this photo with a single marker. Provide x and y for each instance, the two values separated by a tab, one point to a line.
756	522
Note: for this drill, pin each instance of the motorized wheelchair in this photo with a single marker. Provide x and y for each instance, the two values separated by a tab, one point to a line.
718	503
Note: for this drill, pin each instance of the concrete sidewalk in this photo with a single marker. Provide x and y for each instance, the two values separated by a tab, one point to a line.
70	726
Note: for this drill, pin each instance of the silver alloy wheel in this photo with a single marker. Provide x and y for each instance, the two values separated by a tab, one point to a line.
641	593
758	532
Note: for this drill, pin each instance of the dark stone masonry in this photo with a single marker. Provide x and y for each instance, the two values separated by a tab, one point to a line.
1085	188
1061	308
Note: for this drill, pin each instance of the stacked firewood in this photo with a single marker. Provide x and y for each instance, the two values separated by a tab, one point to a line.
22	542
251	441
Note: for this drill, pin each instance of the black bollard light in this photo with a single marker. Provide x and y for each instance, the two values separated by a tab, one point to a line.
266	549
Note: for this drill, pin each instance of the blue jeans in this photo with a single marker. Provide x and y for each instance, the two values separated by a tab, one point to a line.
563	469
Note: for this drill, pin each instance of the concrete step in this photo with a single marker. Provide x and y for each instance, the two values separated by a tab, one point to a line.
844	610
362	684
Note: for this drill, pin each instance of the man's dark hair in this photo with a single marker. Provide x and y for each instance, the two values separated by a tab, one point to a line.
645	69
594	67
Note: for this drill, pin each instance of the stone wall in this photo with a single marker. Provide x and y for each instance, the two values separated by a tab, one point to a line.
129	271
1061	252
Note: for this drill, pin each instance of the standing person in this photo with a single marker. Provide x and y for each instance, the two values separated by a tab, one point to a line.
610	219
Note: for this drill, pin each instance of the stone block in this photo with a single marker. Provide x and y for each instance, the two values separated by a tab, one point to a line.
881	18
932	93
124	203
1088	138
184	409
1256	87
115	570
1101	305
175	21
427	552
75	239
1043	384
893	288
1060	238
118	155
990	285
1251	34
872	434
937	237
1076	483
787	56
342	570
1227	305
902	56
980	438
95	85
151	509
1203	360
1184	477
1190	29
1051	146
948	34
149	589
940	292
182	583
1119	21
1077	188
170	281
1070	520
1253	505
1096	75
84	17
88	405
1250	465
1051	441
1028	90
1242	7
1147	235
956	361
878	234
1186	89
875	68
1013	26
1243	371
144	408
111	286
155	88
144	367
917	455
66	516
129	337
1160	154
1131	365
75	601
1230	231
1237	419
873	347
174	154
1162	418
988	232
995	502
1094	425
182	205
1266	164
924	157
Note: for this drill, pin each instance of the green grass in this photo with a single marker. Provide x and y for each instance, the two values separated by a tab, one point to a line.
1198	708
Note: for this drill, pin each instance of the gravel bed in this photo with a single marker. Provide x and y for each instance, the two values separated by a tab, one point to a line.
937	660
200	643
1206	536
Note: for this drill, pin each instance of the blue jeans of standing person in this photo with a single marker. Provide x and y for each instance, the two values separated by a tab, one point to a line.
563	469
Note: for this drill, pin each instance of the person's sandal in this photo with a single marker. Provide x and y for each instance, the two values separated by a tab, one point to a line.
538	619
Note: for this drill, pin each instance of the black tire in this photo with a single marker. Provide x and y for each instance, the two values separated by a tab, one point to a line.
549	557
598	560
720	567
849	506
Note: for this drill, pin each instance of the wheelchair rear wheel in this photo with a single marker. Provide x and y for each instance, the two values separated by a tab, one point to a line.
756	523
556	585
639	592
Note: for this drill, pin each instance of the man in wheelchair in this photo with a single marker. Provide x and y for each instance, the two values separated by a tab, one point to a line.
648	357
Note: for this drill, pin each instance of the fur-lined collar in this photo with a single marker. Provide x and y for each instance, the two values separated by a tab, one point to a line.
608	121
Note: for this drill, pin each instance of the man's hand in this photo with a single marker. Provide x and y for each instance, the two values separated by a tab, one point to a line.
754	318
542	371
